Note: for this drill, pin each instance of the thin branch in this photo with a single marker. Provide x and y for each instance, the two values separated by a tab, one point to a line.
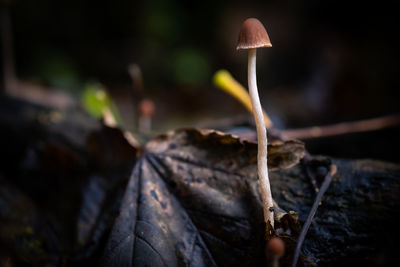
9	75
341	128
306	226
313	180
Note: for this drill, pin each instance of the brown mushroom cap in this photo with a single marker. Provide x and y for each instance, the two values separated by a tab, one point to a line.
146	108
253	35
276	247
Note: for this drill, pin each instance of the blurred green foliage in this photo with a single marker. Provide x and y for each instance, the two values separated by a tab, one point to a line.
162	23
57	70
95	100
190	67
318	45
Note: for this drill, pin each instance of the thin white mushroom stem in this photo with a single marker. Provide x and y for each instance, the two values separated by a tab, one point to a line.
262	140
144	124
275	261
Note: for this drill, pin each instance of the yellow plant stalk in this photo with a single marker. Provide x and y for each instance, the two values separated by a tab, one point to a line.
224	80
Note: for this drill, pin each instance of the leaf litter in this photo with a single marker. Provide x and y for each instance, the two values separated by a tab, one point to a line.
192	200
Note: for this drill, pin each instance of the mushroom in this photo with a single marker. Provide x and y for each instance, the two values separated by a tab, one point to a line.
137	78
146	112
275	250
252	36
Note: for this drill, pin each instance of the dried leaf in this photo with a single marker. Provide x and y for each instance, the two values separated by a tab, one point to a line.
214	144
192	200
108	148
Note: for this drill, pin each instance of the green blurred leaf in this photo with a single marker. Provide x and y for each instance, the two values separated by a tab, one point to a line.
95	100
190	67
57	70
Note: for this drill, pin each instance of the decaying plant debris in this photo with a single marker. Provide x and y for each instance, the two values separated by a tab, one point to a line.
191	199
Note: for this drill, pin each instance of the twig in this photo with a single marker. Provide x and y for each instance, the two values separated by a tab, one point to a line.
341	128
9	75
306	226
307	159
137	78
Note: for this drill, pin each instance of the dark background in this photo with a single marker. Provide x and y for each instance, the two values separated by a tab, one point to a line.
331	61
63	174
